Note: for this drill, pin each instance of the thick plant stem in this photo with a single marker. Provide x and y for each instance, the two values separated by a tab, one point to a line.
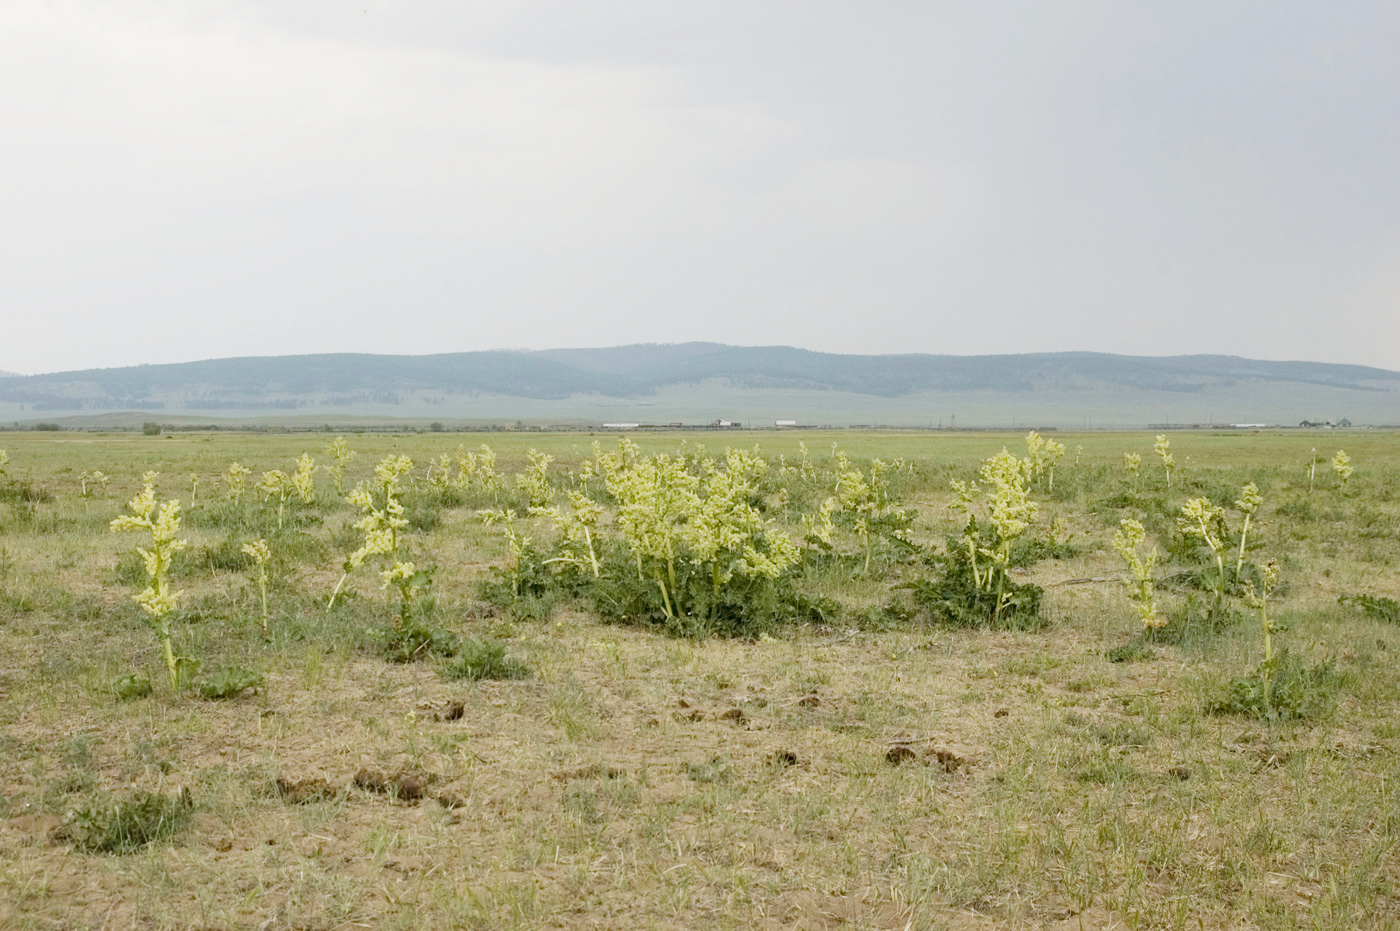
714	588
1244	534
170	663
665	597
592	557
336	591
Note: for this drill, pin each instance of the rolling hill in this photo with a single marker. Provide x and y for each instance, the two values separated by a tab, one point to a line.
703	381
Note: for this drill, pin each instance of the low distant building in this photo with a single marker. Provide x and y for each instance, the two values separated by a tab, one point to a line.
786	423
1323	424
621	426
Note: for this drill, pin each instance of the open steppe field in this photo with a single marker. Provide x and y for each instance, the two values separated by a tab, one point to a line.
652	685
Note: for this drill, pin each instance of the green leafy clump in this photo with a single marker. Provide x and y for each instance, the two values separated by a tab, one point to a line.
525	586
412	636
133	686
970	585
1133	651
703	559
127	824
1374	606
228	683
483	659
1281	689
954	596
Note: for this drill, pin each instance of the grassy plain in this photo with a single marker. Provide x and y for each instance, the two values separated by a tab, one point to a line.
870	770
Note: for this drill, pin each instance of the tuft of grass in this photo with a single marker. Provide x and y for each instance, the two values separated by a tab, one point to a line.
129	823
483	659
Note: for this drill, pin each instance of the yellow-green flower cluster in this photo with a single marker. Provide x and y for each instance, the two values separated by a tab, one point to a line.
1341	464
162	523
1126	540
1162	446
304	479
1248	503
234	478
380	523
258	550
260	554
1132	462
1042	455
577	526
670	517
534	481
477	471
340	452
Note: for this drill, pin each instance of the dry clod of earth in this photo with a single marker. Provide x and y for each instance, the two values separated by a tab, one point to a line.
783	758
949	760
300	791
405	786
454	711
900	754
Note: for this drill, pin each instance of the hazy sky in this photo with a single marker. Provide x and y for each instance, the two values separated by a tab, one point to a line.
187	179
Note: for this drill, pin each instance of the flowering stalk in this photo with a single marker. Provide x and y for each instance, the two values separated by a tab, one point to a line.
1010	510
1341	464
1133	463
304	479
1163	450
276	483
1259	600
233	481
157	600
380	525
260	553
1126	541
341	454
1200	518
1249	502
518	542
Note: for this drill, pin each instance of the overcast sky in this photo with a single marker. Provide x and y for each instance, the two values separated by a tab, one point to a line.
187	179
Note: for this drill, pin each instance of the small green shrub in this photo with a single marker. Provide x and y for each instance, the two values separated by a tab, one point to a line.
1282	689
953	597
411	636
483	659
228	683
1374	606
1196	619
133	686
128	823
1131	652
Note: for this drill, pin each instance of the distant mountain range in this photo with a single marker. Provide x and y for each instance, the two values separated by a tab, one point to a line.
574	383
